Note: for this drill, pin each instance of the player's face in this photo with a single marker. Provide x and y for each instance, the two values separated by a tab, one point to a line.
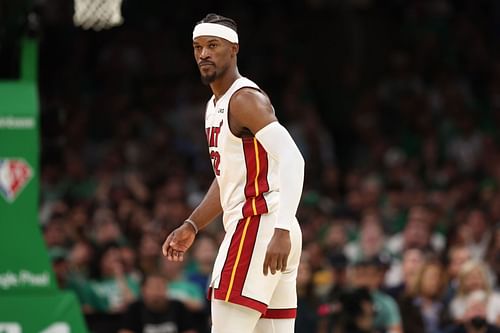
213	56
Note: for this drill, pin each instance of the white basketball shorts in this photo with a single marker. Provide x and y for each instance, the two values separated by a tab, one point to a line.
238	270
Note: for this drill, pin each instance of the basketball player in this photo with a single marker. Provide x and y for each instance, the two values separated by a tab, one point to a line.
259	174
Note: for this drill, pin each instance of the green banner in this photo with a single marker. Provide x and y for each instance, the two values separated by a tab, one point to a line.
29	299
57	313
24	264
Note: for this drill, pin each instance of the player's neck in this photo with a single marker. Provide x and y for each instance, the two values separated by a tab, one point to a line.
220	86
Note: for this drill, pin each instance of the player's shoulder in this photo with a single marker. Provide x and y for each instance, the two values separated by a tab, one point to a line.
248	96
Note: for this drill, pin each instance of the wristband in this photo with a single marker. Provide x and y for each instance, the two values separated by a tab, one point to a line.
191	222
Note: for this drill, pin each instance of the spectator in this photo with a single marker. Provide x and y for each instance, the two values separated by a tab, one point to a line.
322	275
200	268
112	289
68	279
154	312
474	277
80	258
493	257
369	274
417	233
330	307
457	257
427	301
149	253
180	288
474	318
307	302
357	313
336	238
371	240
465	148
477	233
401	279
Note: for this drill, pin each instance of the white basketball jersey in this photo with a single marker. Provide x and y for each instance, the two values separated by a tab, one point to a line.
246	174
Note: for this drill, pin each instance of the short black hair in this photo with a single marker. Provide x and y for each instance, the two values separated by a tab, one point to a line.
219	19
153	275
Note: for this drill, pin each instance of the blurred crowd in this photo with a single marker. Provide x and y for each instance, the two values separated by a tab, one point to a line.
395	106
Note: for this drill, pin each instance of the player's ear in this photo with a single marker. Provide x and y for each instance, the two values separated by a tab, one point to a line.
235	49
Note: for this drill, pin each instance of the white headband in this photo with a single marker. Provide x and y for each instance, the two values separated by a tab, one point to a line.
216	30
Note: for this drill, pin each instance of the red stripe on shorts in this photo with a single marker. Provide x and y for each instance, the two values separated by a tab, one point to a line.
227	269
280	314
235	294
246	256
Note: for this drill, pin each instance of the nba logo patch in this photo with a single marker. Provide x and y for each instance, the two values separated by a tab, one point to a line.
14	176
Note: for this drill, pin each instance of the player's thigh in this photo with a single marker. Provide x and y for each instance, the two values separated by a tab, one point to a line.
275	326
285	293
233	318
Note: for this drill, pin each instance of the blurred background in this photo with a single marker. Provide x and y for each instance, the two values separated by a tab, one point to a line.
394	104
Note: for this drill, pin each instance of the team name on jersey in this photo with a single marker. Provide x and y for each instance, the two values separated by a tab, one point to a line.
213	135
213	142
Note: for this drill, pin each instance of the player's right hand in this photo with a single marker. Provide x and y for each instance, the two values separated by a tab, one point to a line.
178	242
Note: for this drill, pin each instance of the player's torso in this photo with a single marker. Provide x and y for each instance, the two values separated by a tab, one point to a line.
246	175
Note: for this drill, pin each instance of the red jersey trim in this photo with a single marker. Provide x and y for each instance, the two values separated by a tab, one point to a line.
257	165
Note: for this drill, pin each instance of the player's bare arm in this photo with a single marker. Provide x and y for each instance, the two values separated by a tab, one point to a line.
181	239
250	113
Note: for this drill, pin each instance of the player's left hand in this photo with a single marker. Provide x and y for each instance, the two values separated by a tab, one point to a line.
277	252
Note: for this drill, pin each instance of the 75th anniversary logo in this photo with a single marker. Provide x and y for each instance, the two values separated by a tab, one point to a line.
15	174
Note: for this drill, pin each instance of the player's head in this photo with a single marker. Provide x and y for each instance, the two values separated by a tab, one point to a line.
215	44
